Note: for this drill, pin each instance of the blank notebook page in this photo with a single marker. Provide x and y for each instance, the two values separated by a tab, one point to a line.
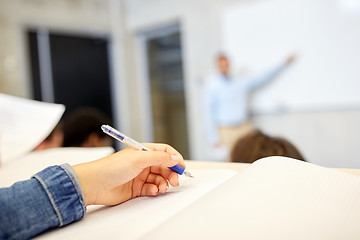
274	198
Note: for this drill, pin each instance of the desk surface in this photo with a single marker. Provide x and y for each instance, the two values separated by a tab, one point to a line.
240	166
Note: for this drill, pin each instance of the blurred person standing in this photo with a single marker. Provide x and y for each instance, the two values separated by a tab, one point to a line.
225	103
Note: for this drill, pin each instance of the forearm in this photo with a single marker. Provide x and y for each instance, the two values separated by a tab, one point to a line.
47	200
266	77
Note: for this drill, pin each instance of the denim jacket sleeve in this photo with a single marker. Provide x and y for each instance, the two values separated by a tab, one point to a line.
51	198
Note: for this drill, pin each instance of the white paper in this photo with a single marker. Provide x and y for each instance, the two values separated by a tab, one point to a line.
274	198
24	124
25	167
138	216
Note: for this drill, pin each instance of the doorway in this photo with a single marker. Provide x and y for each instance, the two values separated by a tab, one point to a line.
70	69
165	78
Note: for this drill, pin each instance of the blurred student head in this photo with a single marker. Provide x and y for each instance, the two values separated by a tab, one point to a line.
54	140
256	145
223	64
82	128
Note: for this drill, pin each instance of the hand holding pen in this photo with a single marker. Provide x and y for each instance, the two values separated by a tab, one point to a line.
127	174
132	143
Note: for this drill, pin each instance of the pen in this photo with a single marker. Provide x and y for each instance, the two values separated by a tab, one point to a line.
132	143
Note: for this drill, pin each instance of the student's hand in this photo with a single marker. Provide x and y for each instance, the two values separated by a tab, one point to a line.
129	173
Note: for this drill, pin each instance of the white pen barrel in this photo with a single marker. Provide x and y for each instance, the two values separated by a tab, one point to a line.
135	144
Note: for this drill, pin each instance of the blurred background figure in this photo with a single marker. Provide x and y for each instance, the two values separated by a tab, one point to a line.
256	145
82	128
226	102
54	140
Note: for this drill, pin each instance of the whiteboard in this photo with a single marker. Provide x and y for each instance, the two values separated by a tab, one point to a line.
325	35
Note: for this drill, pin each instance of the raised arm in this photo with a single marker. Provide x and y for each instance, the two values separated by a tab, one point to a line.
266	77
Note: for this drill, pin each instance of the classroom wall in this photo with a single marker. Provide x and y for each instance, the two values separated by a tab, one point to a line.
11	80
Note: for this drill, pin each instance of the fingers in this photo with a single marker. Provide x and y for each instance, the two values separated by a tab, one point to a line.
163	148
154	185
149	190
162	154
168	174
158	181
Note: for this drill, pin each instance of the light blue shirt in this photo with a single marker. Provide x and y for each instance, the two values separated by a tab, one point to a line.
226	100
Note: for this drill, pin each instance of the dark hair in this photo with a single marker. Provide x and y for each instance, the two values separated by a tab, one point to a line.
80	123
256	145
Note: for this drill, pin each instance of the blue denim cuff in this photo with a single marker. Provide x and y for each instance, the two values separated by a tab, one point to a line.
71	173
64	192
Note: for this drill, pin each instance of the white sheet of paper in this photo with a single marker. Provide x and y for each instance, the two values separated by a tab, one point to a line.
138	216
24	123
25	167
274	198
